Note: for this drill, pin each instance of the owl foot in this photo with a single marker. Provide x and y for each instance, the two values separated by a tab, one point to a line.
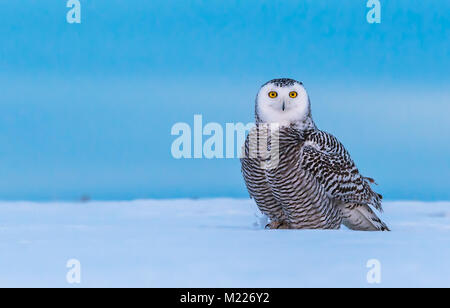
278	225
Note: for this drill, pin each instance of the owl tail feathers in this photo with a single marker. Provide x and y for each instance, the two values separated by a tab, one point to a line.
362	218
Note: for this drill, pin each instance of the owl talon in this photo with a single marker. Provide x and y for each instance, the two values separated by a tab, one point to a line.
277	225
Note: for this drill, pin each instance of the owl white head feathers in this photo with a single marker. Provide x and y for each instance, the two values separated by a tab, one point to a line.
283	101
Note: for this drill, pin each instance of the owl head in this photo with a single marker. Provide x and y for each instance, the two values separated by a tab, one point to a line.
283	101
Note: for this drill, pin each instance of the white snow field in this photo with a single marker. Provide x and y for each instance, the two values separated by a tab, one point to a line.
214	243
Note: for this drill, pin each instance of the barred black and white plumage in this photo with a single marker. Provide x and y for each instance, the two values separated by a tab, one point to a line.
312	183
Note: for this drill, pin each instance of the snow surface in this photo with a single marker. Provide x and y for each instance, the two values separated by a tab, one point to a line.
214	243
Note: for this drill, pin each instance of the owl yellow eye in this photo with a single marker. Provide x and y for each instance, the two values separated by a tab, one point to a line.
273	94
293	94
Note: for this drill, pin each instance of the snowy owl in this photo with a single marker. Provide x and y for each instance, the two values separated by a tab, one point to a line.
314	184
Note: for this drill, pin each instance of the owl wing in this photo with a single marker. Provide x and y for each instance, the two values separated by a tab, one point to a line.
327	159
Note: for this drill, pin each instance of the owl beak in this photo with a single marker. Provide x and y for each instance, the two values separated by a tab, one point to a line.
283	107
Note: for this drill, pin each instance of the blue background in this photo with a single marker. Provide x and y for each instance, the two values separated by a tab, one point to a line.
88	108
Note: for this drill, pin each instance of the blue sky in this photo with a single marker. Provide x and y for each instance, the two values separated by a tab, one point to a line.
87	108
